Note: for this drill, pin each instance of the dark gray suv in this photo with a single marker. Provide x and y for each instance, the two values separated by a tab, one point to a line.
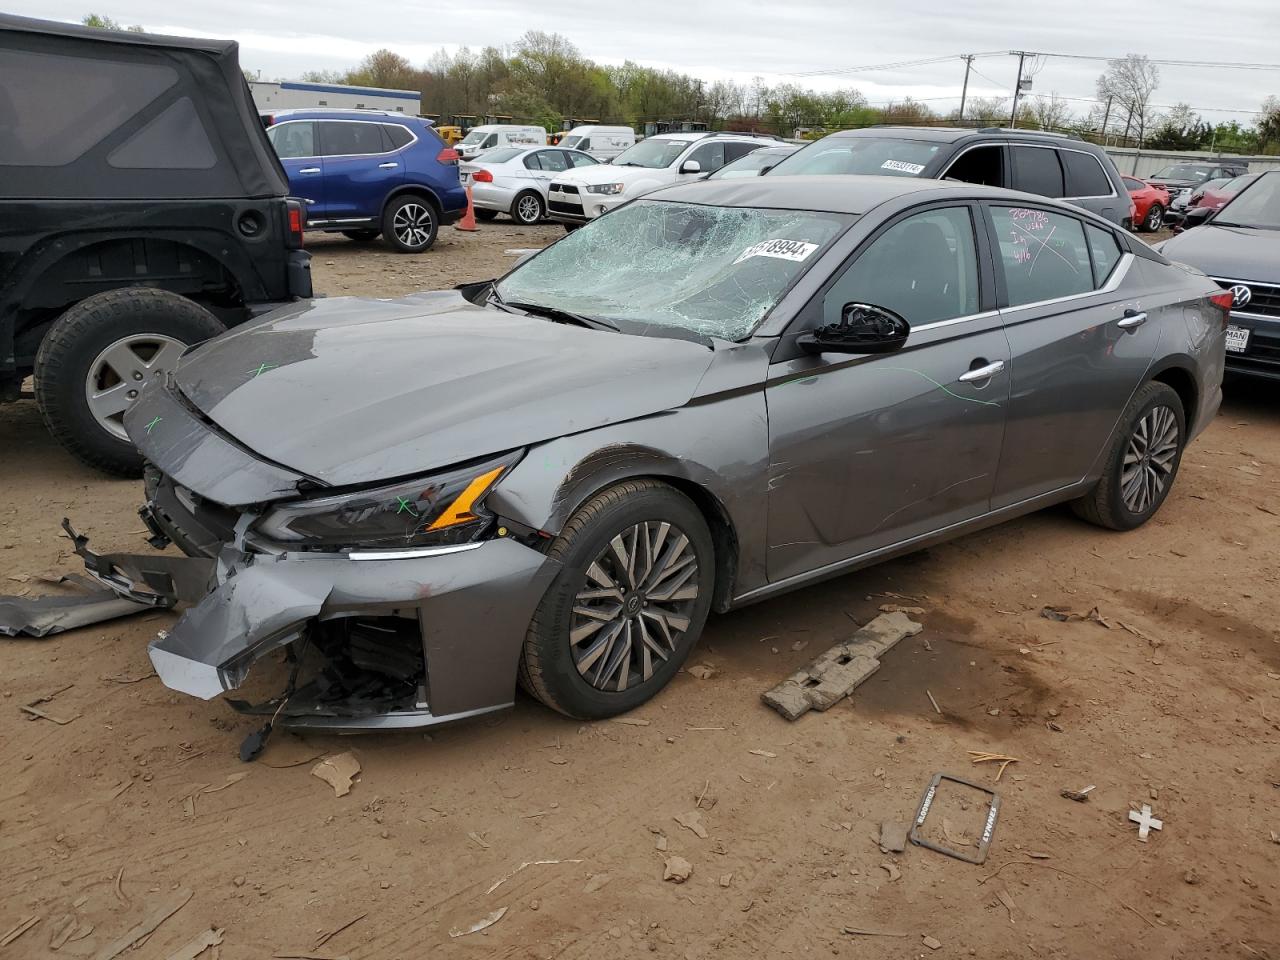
1048	164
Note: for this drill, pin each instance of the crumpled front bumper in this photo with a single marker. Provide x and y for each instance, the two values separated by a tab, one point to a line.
472	605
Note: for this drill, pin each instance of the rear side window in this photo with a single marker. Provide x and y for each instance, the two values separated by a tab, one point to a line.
1036	170
55	108
398	135
173	140
1043	255
1085	176
735	151
294	139
1106	253
347	139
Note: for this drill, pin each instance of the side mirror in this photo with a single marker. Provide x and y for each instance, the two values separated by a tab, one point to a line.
691	166
863	328
1195	217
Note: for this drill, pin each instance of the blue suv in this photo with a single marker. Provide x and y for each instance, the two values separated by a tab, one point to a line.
369	173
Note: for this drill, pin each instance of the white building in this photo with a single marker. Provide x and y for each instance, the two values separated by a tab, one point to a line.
295	94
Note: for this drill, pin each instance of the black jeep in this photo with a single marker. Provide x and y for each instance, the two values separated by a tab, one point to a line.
142	210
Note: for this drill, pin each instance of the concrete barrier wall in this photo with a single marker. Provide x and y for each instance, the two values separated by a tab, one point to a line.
1145	163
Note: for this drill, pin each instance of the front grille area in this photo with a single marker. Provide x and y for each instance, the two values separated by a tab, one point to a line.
559	206
1264	298
564	188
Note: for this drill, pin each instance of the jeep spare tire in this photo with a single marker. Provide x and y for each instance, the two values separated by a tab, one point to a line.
96	358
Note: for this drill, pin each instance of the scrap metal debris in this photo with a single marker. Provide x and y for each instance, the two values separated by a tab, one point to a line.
338	771
47	615
1064	615
1079	796
483	923
834	674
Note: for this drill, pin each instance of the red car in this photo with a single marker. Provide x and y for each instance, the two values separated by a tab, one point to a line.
1213	195
1150	203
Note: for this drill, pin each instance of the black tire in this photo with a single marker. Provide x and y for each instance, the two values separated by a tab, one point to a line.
410	223
362	236
528	209
1154	219
570	227
75	345
485	216
548	669
1105	505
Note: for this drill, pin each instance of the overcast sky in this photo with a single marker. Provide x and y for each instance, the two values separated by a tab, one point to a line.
739	39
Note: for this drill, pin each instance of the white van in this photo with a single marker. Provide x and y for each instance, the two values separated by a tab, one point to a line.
490	135
603	143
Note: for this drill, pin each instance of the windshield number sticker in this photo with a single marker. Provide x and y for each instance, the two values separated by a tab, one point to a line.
796	250
902	166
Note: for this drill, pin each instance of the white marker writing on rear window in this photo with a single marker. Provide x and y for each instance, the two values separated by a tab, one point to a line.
796	250
903	166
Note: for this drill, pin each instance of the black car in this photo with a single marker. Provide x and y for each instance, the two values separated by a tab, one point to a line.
1178	177
142	210
1048	164
1239	247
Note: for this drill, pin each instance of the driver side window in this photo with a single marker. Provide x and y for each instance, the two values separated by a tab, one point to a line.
924	268
710	157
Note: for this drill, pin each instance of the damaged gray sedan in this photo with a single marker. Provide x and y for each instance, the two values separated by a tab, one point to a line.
712	395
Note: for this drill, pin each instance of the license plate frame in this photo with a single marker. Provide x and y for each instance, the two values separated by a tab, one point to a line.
1238	339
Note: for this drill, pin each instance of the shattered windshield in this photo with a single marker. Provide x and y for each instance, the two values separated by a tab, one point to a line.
715	271
654	153
876	156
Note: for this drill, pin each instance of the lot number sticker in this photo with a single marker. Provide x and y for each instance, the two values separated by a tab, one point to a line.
902	166
797	250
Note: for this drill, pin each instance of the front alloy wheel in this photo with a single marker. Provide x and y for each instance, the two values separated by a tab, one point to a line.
637	573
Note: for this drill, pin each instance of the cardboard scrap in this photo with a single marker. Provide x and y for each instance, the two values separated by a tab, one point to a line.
338	771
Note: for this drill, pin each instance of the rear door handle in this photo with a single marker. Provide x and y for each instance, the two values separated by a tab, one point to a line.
388	166
309	170
1132	320
982	373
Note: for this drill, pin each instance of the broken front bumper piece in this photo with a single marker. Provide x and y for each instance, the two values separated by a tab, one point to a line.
376	640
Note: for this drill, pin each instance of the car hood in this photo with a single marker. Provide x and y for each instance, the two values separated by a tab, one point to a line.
352	391
1232	252
608	173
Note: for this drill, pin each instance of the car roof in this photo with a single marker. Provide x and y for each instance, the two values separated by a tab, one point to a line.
838	193
58	29
952	134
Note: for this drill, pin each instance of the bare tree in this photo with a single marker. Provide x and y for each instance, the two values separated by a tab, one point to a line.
1047	113
991	111
1130	83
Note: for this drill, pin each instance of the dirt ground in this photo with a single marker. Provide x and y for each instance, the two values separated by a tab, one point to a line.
1174	701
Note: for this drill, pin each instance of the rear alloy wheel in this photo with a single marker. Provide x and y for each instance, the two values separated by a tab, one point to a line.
527	209
409	224
96	358
1154	219
631	598
362	236
1142	462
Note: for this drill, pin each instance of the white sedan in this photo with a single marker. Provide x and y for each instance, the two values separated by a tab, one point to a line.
514	180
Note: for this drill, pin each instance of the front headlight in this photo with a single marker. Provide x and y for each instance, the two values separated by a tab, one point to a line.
440	510
608	189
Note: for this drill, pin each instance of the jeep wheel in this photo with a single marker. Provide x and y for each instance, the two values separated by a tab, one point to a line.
96	358
409	224
362	236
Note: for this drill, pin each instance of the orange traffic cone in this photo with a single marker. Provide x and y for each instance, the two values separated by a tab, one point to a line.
468	221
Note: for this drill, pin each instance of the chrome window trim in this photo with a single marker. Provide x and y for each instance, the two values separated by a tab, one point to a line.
1038	146
339	156
1112	284
985	314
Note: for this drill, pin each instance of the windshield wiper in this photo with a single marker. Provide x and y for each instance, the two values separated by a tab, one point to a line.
1228	223
562	316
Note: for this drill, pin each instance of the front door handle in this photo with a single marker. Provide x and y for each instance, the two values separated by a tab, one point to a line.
309	170
388	166
982	373
1131	320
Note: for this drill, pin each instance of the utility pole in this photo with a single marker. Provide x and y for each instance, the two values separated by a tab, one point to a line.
1017	88
964	90
1106	115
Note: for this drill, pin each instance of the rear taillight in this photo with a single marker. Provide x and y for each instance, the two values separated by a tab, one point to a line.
447	155
296	221
1223	301
482	176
